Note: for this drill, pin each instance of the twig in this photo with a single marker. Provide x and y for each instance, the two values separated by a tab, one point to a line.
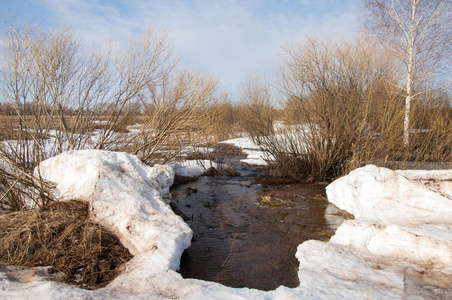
230	224
197	188
183	192
9	189
232	246
188	188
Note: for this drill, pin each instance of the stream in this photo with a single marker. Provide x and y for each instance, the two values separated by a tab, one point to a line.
246	234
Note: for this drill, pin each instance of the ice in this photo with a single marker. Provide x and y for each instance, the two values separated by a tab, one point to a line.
399	246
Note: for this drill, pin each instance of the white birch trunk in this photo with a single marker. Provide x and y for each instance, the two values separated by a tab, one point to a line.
409	77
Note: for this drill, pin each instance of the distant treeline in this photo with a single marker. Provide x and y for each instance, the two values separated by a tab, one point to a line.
31	108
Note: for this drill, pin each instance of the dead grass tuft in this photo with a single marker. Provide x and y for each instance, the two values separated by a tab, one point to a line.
270	201
61	235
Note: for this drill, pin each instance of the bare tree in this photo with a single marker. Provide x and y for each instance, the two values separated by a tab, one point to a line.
69	87
419	34
257	106
147	62
177	113
59	91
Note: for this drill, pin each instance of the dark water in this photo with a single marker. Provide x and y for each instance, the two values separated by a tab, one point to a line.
224	214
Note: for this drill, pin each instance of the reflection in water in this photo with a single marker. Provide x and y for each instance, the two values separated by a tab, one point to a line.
224	212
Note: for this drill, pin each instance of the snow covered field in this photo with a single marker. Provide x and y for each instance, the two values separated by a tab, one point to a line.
399	246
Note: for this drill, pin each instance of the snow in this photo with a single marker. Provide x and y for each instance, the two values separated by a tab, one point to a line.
193	168
380	195
419	247
402	223
399	246
255	156
333	271
290	137
242	142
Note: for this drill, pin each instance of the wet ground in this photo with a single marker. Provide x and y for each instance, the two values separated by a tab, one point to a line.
245	234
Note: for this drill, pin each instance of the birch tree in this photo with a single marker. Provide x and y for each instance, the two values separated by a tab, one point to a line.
419	34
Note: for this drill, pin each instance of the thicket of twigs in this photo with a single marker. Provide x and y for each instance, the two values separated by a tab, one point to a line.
342	109
59	95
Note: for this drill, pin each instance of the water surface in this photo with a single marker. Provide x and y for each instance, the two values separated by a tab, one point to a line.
246	235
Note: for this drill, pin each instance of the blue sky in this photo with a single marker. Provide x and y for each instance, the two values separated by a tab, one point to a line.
229	38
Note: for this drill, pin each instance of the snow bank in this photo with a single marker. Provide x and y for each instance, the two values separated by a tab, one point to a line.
403	224
119	188
392	250
242	142
382	195
423	246
126	197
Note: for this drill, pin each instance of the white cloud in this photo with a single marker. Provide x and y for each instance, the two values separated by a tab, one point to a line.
229	38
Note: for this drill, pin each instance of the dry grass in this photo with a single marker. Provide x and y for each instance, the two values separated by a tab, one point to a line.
271	201
61	235
10	125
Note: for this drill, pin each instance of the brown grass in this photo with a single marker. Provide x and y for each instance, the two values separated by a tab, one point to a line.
61	235
9	125
272	201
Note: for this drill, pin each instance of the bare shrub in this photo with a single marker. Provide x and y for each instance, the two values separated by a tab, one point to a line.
226	121
19	188
332	89
343	108
62	96
257	108
58	88
431	133
177	114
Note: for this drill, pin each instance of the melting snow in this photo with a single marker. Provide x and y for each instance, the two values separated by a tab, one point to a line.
399	246
193	168
255	156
